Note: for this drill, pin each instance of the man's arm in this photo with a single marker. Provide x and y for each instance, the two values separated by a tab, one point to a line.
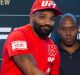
27	64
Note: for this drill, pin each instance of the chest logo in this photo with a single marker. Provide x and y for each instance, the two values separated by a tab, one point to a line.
51	50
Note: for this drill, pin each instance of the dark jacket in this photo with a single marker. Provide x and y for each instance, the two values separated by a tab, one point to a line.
70	63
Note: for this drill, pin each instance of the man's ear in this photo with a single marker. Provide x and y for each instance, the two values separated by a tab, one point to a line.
31	18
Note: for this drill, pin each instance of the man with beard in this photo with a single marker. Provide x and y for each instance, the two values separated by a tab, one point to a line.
28	50
69	46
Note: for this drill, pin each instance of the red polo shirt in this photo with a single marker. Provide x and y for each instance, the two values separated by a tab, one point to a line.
24	41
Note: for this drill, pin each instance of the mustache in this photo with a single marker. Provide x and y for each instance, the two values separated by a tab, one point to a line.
46	26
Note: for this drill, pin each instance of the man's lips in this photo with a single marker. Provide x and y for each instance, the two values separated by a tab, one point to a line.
69	39
45	27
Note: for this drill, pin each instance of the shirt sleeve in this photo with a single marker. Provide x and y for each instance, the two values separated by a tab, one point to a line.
56	64
18	43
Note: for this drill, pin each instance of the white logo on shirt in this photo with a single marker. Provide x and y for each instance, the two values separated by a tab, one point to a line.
51	59
48	3
19	45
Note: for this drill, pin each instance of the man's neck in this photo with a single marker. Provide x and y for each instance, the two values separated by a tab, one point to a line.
71	49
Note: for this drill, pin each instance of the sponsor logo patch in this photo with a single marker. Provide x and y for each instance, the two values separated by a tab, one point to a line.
19	45
51	50
48	3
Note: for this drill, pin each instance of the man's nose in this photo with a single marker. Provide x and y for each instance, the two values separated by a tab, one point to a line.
47	21
68	33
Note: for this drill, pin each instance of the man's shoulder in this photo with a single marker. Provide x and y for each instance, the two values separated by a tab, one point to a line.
23	29
19	32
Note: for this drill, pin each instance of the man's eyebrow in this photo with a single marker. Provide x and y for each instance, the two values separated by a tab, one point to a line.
65	27
45	15
42	14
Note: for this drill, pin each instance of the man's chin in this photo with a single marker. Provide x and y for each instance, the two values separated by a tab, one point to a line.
44	35
69	44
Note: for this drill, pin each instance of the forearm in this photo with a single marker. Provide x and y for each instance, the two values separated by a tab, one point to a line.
27	64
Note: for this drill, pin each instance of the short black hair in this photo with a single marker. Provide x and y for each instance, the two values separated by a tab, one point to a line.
69	15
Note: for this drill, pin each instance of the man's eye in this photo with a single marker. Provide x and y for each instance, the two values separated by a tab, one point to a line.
41	17
73	28
63	29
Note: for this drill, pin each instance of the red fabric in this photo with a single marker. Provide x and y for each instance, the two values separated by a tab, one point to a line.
45	52
45	4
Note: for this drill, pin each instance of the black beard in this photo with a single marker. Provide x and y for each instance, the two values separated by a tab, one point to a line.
41	31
